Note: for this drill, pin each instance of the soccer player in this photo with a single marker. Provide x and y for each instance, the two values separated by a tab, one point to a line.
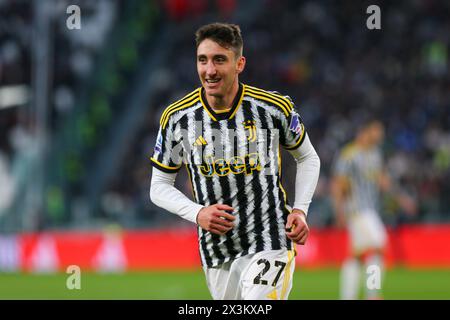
359	178
228	135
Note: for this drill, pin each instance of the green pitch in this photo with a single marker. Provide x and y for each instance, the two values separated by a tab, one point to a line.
308	284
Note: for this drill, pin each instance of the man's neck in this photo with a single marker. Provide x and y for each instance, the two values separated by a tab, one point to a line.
223	103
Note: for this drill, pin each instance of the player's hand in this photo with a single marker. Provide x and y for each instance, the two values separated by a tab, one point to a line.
296	227
215	219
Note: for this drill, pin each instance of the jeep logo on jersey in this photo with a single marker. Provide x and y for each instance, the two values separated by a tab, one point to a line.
235	165
296	125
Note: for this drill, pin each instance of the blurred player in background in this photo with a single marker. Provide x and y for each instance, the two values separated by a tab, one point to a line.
229	134
359	178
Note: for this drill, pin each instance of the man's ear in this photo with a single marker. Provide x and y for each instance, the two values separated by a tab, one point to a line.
240	65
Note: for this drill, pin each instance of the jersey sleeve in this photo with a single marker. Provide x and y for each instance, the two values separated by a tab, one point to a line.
293	130
167	151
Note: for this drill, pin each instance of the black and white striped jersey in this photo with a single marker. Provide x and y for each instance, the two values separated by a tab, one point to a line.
362	168
234	158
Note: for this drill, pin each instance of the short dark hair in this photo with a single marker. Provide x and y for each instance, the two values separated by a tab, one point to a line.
226	35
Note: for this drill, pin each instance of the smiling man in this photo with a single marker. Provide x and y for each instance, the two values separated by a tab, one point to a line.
228	135
218	67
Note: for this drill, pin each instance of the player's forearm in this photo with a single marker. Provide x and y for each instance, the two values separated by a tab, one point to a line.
165	195
337	195
308	169
385	183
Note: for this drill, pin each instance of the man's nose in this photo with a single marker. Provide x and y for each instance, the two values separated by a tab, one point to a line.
211	69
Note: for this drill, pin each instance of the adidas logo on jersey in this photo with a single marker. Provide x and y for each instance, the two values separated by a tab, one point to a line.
200	142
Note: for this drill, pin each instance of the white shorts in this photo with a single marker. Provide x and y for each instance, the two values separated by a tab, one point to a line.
260	276
366	232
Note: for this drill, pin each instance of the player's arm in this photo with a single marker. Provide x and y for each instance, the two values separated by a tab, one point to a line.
340	186
164	194
295	139
385	181
307	175
166	161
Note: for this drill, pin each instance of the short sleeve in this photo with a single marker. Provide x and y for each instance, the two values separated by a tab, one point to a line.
167	151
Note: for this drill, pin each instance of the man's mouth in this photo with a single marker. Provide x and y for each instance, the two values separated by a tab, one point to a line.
212	80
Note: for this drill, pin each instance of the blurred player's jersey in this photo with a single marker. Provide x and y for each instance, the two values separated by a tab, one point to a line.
233	158
362	168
